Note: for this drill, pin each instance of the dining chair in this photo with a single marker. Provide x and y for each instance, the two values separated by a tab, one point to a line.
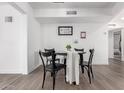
80	52
88	65
52	68
49	59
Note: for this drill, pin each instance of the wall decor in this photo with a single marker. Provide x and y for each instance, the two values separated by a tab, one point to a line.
8	18
65	30
83	35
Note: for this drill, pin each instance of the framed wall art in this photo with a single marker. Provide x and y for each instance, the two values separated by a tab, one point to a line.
65	30
83	35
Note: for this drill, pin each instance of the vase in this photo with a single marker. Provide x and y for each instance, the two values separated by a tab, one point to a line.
68	49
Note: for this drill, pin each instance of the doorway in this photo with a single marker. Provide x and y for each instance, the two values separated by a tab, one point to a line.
115	44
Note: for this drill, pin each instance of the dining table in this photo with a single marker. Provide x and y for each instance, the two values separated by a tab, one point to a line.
72	61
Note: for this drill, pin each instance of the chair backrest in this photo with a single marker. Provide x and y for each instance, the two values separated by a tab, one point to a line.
79	50
91	56
49	50
44	54
52	50
81	55
48	54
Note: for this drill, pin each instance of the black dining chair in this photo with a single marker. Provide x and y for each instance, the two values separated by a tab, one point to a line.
88	65
80	52
49	59
52	68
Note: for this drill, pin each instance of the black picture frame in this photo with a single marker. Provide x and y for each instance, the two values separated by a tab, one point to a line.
65	30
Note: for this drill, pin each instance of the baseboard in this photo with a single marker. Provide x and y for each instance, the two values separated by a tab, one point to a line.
10	72
100	64
34	68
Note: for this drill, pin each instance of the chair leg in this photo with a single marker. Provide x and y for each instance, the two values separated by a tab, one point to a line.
89	75
43	79
65	68
92	72
50	62
51	74
47	62
54	80
65	73
59	61
82	68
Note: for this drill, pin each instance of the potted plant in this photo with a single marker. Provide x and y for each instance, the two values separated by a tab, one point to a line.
68	47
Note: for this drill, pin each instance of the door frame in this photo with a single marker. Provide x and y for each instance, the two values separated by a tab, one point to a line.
111	42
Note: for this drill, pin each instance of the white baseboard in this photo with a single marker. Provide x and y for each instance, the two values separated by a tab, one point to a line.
10	72
34	68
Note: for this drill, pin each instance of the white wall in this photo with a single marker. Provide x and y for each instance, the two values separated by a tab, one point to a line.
122	44
20	40
111	44
34	41
34	35
12	57
119	25
97	38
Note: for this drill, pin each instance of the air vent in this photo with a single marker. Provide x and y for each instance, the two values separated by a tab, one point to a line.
8	19
71	12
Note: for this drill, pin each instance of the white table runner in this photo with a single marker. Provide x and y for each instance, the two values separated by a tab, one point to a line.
72	69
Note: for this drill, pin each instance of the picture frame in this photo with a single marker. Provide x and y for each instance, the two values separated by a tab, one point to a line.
83	35
65	30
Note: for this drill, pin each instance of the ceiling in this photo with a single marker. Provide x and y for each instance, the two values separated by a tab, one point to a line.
84	18
2	3
45	5
74	19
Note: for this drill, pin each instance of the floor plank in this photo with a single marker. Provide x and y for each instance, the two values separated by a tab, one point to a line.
107	77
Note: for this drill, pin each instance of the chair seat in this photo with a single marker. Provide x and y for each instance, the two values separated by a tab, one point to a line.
85	63
58	67
50	59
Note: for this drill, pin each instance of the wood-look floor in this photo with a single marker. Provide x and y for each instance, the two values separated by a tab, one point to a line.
106	77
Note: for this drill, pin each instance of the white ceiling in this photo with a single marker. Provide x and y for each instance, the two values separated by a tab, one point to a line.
46	5
2	3
104	17
74	19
